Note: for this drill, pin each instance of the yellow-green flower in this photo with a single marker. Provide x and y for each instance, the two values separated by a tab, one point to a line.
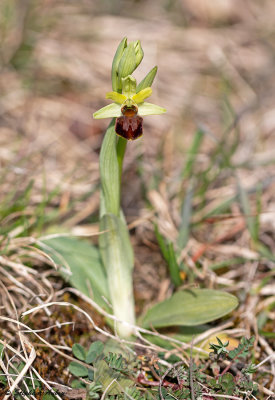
129	98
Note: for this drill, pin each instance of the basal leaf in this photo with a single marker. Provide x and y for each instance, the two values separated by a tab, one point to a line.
86	271
118	259
190	307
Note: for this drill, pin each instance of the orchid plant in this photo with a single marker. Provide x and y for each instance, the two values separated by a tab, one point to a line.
128	106
105	274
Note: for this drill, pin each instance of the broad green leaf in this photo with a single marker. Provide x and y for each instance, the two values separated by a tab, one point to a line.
79	351
184	334
91	356
117	255
94	351
83	259
77	369
190	307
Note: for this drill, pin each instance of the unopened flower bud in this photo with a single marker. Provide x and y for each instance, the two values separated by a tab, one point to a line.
138	52
127	63
120	50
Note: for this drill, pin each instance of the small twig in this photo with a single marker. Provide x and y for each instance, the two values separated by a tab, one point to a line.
222	395
265	360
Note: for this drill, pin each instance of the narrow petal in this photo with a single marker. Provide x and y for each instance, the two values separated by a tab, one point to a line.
116	97
150	109
142	95
110	111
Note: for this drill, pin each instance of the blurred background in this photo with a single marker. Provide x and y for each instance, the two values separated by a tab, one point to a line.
216	63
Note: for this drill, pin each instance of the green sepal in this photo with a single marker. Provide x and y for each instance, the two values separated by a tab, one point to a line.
111	111
148	80
142	95
150	109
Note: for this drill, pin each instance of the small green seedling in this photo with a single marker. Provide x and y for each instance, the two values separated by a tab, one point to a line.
221	348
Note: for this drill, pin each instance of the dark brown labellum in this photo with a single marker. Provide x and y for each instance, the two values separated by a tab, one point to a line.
129	125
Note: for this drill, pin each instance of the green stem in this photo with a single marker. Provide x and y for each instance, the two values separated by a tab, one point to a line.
121	148
115	246
109	173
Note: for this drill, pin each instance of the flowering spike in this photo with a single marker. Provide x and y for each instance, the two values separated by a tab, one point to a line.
128	98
